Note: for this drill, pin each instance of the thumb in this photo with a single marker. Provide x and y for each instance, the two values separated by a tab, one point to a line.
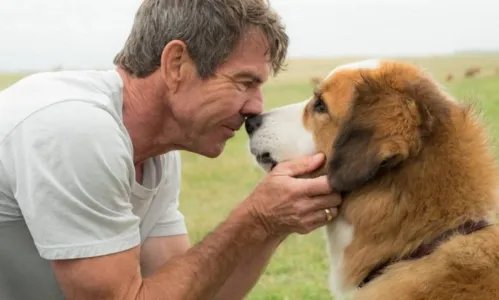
300	165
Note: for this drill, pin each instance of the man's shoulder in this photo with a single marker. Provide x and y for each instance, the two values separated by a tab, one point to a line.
59	92
65	84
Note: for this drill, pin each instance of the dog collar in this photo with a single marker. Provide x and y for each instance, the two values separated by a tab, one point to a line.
467	227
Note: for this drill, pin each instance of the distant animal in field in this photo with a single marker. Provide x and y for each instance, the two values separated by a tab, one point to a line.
472	71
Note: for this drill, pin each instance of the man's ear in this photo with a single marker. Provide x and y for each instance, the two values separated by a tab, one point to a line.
358	158
174	60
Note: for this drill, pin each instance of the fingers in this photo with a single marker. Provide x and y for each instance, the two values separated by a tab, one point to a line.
318	203
332	200
318	218
323	216
300	165
313	186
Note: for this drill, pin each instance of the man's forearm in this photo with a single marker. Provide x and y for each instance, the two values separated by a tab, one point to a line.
202	271
249	270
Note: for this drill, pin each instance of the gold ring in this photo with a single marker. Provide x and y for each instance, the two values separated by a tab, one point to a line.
329	215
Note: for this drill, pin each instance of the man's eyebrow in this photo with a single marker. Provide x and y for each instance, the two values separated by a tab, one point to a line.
248	75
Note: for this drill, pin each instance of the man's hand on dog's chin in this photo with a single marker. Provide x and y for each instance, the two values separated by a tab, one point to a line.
282	203
314	173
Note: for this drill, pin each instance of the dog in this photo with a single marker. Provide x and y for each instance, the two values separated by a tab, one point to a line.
417	175
472	71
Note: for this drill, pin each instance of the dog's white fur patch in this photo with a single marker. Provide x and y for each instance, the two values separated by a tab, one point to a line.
282	134
339	234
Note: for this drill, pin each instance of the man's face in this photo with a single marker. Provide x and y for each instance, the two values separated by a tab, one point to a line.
211	110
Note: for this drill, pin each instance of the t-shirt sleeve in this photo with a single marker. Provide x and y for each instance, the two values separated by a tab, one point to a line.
71	172
171	220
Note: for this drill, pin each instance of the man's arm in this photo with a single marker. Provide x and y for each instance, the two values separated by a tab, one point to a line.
167	240
249	270
158	250
197	274
280	204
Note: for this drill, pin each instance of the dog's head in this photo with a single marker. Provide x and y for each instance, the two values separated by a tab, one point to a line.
367	117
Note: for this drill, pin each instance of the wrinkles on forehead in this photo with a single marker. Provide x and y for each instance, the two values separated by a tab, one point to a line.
250	59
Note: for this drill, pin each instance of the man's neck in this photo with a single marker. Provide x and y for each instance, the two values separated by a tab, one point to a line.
146	117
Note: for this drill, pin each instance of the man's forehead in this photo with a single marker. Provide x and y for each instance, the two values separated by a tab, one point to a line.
244	70
250	75
251	55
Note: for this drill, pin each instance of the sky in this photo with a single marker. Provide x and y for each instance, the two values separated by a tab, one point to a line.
43	34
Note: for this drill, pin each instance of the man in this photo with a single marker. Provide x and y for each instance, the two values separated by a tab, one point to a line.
90	173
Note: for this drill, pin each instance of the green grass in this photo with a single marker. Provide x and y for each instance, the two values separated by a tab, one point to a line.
211	187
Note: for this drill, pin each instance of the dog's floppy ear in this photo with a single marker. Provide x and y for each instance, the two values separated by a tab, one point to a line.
384	126
364	146
358	158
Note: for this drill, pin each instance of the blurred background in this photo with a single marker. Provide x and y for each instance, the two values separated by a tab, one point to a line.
457	41
40	35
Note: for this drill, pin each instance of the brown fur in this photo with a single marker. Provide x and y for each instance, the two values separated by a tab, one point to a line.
415	163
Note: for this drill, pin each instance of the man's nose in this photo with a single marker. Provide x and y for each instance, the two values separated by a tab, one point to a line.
254	104
252	123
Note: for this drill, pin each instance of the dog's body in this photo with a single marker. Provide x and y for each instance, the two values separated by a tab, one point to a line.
412	164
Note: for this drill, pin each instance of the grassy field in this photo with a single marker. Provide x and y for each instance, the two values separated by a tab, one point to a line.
211	187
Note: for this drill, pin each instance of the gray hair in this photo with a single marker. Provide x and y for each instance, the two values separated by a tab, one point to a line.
211	30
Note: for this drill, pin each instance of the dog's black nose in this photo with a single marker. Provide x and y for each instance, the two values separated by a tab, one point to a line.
252	123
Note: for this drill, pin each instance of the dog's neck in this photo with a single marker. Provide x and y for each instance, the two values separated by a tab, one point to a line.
408	209
424	249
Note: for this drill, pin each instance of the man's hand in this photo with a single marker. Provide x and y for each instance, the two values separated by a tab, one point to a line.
285	204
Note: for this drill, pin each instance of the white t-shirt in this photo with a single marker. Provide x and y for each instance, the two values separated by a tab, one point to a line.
66	168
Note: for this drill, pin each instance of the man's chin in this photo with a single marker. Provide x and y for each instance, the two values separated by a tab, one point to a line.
213	151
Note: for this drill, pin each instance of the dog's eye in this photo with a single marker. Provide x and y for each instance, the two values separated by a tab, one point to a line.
320	106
